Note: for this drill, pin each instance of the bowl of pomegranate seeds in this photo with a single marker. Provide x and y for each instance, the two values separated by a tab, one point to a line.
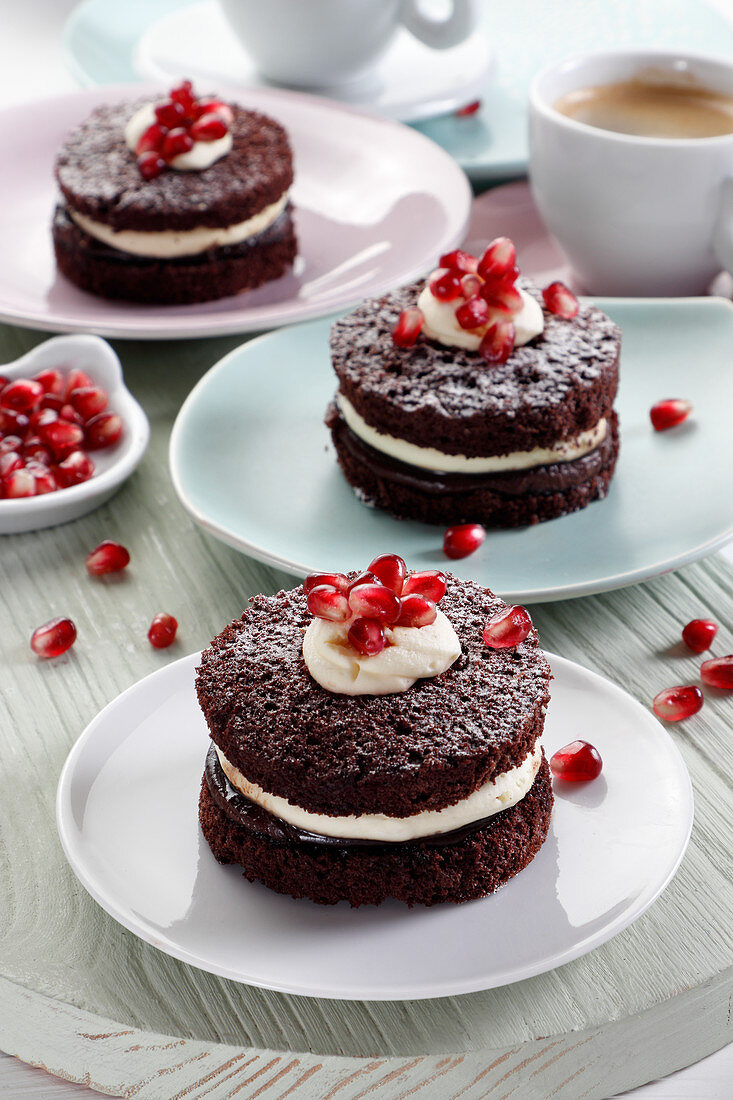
70	432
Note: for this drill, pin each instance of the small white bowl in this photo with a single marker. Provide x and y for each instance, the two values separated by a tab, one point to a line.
112	465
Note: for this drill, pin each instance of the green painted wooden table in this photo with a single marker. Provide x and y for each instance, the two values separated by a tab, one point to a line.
88	1000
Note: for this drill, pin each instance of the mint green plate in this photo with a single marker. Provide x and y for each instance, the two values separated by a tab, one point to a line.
251	461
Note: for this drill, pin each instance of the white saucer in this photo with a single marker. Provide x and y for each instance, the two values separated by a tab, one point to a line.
126	815
410	82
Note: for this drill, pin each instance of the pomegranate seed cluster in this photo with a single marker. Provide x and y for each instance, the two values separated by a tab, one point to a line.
385	594
674	704
48	423
486	297
181	121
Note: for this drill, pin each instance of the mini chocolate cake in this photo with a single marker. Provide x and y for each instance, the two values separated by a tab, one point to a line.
350	764
138	227
438	434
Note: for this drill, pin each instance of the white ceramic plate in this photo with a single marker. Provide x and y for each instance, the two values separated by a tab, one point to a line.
127	818
259	412
112	465
376	203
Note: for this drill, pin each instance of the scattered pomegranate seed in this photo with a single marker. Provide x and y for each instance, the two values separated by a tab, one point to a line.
417	611
374	601
446	287
561	301
18	483
669	413
468	110
209	127
74	469
507	629
87	401
61	436
103	430
52	381
497	344
326	602
390	570
698	634
151	139
498	259
675	703
21	395
53	638
170	114
151	165
334	580
367	636
460	541
162	630
407	329
577	762
718	672
460	261
430	583
108	557
473	314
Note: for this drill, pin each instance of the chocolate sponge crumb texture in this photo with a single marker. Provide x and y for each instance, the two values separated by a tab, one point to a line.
434	433
372	757
167	240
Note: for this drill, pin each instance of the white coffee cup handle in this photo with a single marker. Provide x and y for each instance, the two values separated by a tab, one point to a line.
723	232
440	33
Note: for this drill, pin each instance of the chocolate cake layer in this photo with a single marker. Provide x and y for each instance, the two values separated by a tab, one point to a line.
216	273
420	872
98	175
508	499
421	749
551	389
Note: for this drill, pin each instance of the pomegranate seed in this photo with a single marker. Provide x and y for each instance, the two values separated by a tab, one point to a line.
175	143
669	413
698	634
326	602
151	139
10	461
209	127
498	259
333	580
217	107
87	401
577	762
103	430
53	638
13	422
460	541
61	436
502	297
718	672
473	314
151	165
561	301
390	570
52	381
170	114
10	443
446	287
42	416
507	629
374	601
44	478
460	261
162	631
497	343
367	636
675	703
470	286
468	110
70	415
21	395
50	401
76	379
407	329
417	611
365	577
18	483
74	469
34	449
108	557
183	94
431	583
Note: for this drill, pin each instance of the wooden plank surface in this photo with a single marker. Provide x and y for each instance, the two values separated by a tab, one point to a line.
668	977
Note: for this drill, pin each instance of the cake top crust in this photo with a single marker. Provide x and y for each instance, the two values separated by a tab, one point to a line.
421	749
558	385
99	177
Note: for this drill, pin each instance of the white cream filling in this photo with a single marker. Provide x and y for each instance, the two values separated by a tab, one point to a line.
440	320
427	458
202	155
498	794
171	243
411	653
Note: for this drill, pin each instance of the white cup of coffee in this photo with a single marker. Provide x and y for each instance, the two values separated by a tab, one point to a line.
631	167
322	43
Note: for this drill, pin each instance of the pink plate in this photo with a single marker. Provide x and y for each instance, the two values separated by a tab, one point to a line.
376	204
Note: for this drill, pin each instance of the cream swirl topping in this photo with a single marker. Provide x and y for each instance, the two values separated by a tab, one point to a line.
411	653
440	320
202	155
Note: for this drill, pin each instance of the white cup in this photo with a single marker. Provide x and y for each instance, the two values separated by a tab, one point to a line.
634	215
321	43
